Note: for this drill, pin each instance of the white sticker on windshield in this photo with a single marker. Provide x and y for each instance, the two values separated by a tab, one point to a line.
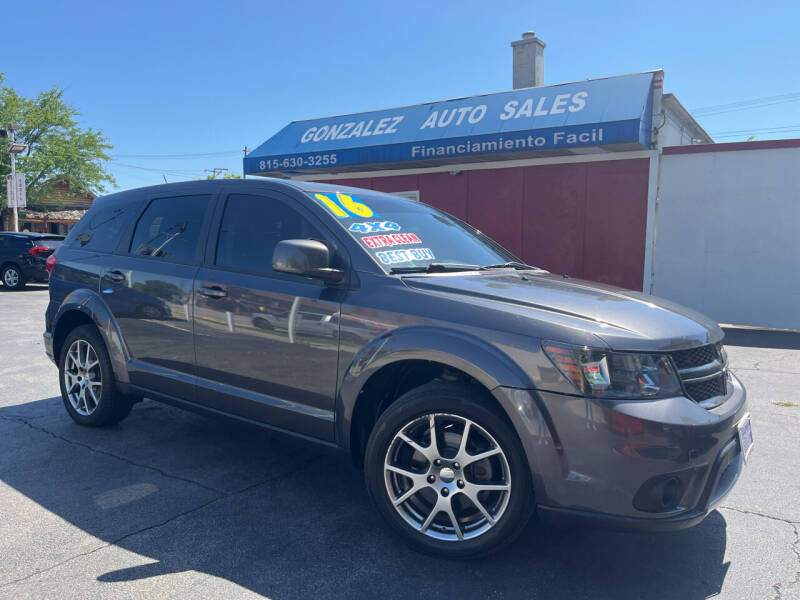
391	257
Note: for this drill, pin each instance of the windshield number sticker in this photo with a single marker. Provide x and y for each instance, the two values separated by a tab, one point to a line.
391	257
374	227
345	206
390	239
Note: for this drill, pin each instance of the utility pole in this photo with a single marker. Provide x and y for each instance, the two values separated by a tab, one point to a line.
215	171
14	148
244	175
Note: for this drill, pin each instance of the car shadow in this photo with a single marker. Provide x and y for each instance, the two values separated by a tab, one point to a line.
30	286
282	519
762	338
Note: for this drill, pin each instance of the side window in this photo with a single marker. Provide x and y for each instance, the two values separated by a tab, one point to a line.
252	226
19	244
102	228
170	228
3	243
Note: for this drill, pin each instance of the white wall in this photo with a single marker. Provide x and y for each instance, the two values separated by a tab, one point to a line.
728	235
673	133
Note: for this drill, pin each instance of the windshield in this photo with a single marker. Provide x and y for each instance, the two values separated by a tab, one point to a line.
402	234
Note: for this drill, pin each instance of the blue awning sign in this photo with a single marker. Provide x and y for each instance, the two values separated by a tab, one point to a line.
611	113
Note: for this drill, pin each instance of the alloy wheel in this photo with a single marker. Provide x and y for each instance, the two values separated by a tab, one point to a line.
82	377
447	477
11	277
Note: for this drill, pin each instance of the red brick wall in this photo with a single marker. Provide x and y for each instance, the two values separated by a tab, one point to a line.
584	219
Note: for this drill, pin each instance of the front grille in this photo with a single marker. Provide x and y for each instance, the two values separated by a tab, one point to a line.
702	373
706	389
695	357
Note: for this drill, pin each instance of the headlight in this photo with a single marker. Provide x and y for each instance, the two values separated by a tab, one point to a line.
606	374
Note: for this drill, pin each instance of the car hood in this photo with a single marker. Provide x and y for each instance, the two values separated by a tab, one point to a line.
623	319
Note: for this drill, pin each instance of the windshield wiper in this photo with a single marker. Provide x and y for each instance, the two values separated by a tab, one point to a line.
435	267
512	264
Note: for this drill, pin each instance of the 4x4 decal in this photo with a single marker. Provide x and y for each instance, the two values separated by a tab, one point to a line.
374	227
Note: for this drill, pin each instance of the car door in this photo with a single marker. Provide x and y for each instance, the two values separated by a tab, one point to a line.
5	248
266	342
147	285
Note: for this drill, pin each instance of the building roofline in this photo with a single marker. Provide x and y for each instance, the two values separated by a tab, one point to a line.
686	115
734	146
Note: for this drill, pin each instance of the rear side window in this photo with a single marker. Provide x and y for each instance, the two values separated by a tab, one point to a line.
14	243
170	228
103	228
252	226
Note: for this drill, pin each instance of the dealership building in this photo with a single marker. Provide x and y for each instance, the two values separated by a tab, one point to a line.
607	179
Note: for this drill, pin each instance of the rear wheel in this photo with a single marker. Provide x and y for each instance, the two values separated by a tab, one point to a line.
448	474
12	277
88	386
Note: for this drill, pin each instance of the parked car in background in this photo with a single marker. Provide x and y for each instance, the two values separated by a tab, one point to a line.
472	388
23	257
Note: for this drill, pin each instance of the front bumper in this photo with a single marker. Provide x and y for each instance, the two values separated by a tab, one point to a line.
601	460
48	345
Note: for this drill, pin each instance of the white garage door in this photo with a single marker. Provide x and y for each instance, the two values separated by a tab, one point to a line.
728	233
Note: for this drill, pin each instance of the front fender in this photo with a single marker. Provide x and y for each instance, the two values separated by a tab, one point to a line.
480	360
92	305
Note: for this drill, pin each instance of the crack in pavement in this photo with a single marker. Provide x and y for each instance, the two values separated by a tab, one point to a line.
737	369
795	547
779	587
24	421
225	496
759	514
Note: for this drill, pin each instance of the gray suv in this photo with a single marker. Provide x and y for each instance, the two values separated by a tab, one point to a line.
473	389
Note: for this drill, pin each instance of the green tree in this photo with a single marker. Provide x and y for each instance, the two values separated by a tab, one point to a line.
225	176
58	148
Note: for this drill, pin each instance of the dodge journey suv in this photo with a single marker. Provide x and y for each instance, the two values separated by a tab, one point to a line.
473	389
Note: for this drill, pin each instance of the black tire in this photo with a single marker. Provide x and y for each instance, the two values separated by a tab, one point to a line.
467	403
13	273
111	406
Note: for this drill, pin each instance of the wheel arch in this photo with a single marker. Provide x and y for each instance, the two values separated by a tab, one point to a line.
401	360
85	307
10	263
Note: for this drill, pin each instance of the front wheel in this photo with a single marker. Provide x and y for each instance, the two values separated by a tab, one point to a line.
447	473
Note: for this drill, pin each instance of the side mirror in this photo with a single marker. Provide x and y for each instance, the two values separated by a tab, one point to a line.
310	258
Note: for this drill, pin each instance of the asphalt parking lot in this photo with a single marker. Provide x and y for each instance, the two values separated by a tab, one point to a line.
170	504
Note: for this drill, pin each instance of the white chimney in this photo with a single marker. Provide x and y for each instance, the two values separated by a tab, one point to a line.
528	61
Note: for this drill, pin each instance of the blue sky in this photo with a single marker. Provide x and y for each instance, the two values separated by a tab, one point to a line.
187	78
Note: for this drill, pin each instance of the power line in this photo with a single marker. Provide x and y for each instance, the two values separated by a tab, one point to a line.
761	130
156	170
765	101
752	133
751	101
193	155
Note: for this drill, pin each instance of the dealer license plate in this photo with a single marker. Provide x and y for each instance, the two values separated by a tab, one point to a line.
745	437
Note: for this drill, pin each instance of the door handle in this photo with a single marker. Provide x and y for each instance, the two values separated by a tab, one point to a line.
116	276
212	292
